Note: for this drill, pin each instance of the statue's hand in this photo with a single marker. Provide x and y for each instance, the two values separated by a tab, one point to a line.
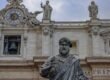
52	72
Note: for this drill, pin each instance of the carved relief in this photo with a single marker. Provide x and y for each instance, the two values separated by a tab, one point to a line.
32	21
15	13
14	3
101	72
95	30
48	31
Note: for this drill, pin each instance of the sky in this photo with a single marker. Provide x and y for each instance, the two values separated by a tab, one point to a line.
67	10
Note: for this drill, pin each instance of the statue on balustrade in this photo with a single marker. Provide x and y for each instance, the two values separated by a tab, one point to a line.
93	10
47	11
63	66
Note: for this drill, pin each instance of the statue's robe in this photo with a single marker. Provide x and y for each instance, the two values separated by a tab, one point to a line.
47	12
67	69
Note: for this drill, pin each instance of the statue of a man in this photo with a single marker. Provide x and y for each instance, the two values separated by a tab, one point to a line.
47	10
63	66
93	10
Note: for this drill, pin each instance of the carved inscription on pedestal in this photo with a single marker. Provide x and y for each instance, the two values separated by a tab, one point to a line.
101	72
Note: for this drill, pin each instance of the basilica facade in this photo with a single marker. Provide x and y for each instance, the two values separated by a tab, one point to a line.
26	42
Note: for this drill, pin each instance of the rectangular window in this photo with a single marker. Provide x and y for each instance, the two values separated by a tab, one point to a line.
74	47
12	45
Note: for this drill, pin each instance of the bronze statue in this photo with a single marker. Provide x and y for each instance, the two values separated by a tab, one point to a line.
47	10
63	66
93	10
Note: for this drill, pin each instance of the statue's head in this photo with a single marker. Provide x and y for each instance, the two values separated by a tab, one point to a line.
92	3
47	2
64	46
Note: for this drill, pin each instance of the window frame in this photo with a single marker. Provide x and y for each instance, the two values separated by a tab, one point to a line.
2	46
7	42
77	47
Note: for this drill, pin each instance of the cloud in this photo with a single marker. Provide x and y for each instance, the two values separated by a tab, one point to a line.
32	5
2	3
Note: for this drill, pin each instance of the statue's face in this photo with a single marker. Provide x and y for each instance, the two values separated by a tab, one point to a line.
64	49
93	3
47	2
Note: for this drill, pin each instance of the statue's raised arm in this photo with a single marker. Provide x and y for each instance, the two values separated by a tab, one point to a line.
47	11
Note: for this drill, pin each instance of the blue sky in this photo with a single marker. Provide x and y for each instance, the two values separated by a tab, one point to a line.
68	10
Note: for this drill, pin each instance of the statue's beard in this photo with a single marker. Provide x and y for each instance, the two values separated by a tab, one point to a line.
64	52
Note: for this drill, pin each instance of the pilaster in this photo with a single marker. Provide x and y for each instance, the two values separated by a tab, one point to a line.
47	38
95	34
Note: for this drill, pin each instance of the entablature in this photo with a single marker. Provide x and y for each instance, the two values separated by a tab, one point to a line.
70	25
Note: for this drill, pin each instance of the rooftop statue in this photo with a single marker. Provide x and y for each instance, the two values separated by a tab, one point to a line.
93	10
47	11
63	66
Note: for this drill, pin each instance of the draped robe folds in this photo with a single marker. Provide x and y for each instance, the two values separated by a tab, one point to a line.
68	69
47	12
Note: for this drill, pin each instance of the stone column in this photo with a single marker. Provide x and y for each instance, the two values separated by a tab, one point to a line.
47	33
95	34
